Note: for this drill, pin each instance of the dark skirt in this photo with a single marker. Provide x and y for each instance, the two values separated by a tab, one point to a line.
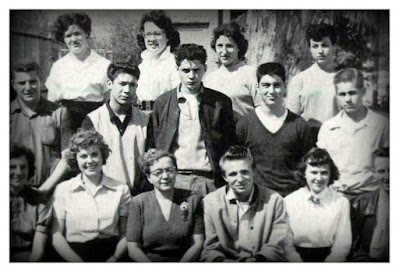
97	250
313	254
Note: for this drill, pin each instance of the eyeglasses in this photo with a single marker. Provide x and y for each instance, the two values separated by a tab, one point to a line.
159	172
157	35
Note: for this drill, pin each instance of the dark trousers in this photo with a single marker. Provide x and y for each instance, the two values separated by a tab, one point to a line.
97	250
315	254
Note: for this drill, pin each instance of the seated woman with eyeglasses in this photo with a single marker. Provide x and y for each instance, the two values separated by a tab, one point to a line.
166	224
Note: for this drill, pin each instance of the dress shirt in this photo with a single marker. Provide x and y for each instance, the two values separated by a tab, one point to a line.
351	145
157	76
72	79
88	216
44	131
326	224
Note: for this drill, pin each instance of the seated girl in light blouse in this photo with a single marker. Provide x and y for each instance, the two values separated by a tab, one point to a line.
166	224
90	210
319	217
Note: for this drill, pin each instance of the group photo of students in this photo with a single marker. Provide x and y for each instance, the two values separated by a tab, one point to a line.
185	152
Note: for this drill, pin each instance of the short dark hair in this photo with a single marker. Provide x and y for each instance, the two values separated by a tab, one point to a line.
234	153
163	21
114	69
17	151
316	157
349	75
317	32
149	158
380	153
24	66
63	22
231	30
190	51
82	139
270	68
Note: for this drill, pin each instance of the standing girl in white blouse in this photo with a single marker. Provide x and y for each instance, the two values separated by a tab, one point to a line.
79	79
319	216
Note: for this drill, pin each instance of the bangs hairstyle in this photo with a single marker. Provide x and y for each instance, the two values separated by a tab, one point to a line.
17	151
114	69
316	157
82	139
163	21
64	21
349	75
151	157
26	66
317	32
232	31
234	153
380	153
270	68
190	51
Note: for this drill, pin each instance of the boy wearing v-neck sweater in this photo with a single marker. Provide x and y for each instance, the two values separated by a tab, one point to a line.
276	137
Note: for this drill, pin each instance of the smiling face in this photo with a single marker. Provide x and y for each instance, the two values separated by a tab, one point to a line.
227	51
123	88
27	86
90	161
349	97
154	38
19	170
381	172
191	73
322	51
239	175
76	40
317	177
272	90
162	174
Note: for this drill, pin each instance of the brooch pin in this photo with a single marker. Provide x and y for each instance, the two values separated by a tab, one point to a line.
184	209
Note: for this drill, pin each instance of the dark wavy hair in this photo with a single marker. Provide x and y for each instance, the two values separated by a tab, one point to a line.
82	139
149	158
316	157
270	68
380	153
163	21
349	75
317	32
190	51
234	153
114	69
24	66
63	22
17	151
231	30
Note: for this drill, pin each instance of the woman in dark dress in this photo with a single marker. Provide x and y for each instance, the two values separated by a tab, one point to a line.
166	224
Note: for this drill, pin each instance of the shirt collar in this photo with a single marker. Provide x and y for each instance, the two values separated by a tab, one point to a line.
181	95
230	196
43	107
341	119
147	56
322	195
112	114
77	183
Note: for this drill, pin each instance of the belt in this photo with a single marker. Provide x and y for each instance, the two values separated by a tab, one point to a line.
207	174
147	105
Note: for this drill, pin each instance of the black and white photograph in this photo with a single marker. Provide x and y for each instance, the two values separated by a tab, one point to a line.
199	136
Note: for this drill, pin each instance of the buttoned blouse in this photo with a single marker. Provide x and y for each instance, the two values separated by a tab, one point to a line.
72	79
351	145
157	76
90	216
326	224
